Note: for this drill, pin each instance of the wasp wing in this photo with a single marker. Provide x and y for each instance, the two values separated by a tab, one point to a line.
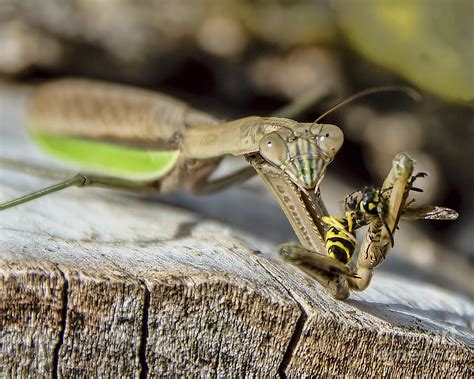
429	212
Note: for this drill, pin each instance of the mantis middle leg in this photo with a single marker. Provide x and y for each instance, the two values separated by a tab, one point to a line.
78	180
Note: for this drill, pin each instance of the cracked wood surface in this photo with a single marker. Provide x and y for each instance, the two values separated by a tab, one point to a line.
97	283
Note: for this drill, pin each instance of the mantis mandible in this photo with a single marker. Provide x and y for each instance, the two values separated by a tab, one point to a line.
137	139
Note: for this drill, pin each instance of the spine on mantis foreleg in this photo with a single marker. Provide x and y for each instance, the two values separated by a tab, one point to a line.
377	241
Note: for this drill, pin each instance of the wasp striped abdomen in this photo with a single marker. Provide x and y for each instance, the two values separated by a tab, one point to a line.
340	238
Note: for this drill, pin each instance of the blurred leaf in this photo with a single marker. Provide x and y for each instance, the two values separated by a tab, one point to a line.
428	42
288	23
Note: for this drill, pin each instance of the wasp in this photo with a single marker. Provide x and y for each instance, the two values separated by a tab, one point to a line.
367	205
371	203
340	238
360	209
381	208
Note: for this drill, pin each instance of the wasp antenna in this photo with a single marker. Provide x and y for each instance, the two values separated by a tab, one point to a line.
415	95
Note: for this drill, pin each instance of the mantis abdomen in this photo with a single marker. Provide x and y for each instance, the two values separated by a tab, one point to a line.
112	113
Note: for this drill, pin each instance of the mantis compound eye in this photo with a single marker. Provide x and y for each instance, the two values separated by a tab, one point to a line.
330	139
273	149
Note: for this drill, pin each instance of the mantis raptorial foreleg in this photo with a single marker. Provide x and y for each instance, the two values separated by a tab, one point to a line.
305	210
377	242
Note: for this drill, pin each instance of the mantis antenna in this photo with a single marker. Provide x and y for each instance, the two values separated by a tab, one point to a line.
415	95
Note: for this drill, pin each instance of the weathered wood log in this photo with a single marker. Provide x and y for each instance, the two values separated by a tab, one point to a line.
95	283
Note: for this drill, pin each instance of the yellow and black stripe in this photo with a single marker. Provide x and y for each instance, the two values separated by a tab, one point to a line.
340	238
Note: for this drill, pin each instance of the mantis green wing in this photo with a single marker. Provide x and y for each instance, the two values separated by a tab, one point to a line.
109	129
109	159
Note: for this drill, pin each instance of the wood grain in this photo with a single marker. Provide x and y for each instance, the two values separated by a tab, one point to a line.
174	298
99	283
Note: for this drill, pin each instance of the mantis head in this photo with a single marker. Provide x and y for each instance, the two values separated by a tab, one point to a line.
302	152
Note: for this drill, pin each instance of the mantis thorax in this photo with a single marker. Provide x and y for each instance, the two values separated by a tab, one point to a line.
302	152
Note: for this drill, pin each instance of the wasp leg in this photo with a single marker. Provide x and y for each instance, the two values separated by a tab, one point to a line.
413	179
410	202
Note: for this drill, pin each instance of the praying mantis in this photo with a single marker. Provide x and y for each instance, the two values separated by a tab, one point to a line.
136	139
